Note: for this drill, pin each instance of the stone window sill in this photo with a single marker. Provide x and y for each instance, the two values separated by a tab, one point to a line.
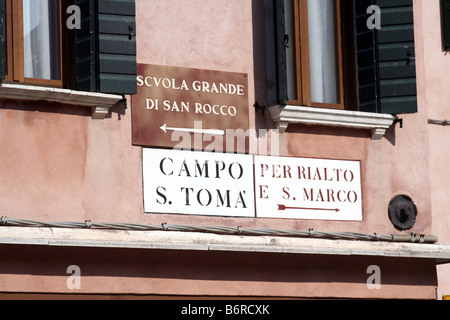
100	103
378	124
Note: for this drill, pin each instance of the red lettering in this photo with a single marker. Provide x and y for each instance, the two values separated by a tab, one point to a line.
262	194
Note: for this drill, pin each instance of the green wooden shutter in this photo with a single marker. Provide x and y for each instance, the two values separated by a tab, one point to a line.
388	84
396	54
117	46
366	55
86	48
280	46
446	23
3	55
106	47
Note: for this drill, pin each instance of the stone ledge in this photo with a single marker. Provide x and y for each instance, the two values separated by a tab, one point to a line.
378	124
192	241
100	103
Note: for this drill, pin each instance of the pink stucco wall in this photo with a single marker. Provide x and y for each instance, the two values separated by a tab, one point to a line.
61	165
57	164
223	274
437	95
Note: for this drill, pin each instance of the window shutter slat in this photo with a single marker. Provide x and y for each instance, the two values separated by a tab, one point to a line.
125	7
118	83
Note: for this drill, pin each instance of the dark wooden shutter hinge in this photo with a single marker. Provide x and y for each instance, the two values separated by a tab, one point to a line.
131	32
398	120
258	108
125	102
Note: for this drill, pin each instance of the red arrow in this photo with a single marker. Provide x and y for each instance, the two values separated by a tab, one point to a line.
282	207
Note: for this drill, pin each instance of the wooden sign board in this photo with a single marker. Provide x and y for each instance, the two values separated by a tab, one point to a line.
187	108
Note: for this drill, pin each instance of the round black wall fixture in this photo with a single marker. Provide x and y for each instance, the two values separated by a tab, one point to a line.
402	212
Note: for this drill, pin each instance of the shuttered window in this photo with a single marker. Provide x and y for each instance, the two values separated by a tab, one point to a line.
98	57
380	73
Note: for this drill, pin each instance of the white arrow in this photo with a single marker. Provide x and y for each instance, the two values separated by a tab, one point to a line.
214	132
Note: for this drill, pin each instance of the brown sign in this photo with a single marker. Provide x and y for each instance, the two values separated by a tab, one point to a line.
189	108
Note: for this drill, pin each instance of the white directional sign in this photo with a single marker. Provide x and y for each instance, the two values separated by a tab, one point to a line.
237	185
198	183
297	188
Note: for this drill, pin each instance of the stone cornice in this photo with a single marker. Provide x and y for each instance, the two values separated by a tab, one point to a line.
378	124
